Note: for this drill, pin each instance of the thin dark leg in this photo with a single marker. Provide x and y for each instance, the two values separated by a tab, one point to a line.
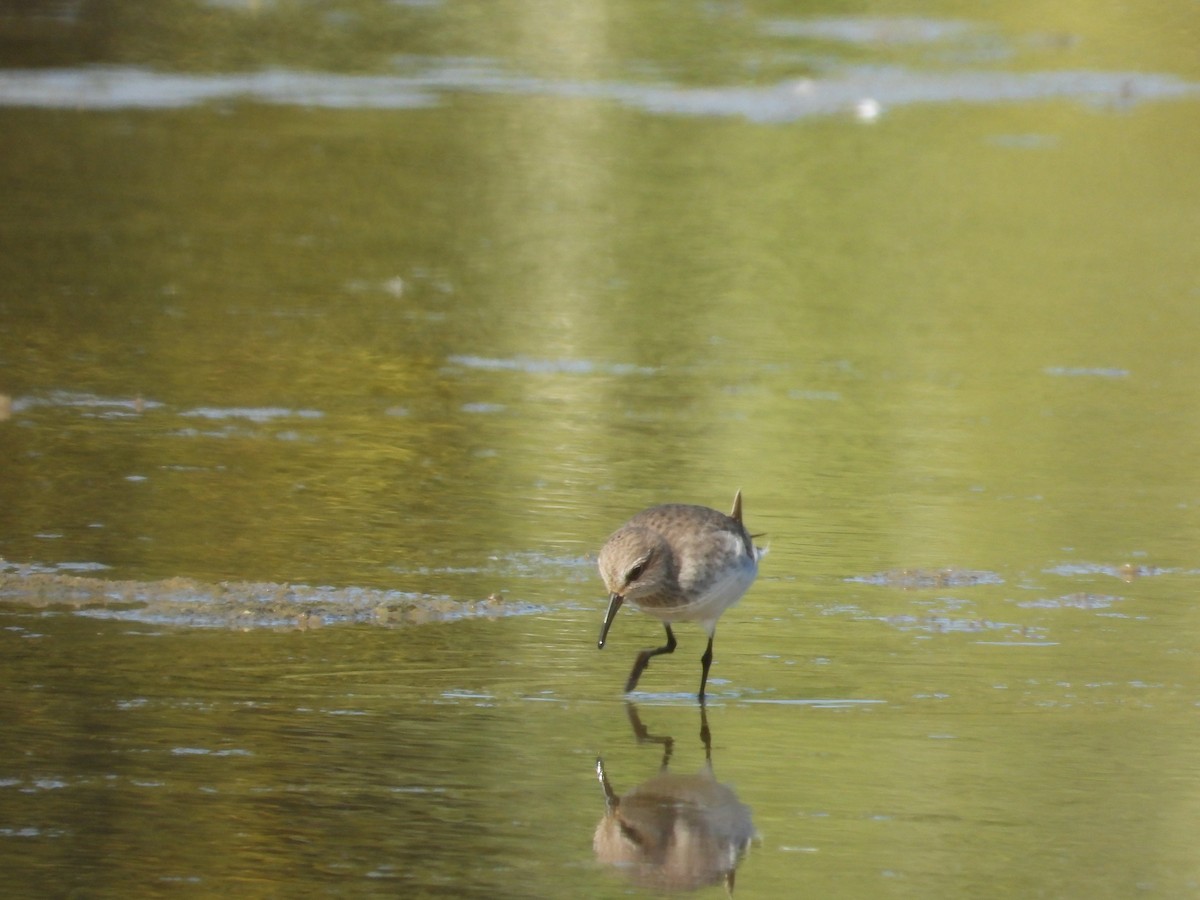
643	658
705	661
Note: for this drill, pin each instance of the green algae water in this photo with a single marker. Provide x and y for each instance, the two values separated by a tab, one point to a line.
334	342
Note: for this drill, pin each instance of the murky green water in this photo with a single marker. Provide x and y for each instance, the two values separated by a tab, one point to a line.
335	339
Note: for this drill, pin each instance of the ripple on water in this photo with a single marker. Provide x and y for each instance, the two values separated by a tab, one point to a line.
1080	600
1125	571
531	366
884	86
916	579
259	415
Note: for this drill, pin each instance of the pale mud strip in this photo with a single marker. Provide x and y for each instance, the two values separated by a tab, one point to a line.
237	604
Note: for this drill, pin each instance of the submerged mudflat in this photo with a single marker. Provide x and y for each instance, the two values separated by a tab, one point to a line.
237	604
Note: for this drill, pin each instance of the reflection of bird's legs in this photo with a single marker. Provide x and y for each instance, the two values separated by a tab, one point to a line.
643	659
706	735
643	735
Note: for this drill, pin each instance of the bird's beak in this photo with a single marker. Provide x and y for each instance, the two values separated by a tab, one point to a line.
614	603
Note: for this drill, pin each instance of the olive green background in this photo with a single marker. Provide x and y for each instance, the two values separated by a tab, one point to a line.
582	258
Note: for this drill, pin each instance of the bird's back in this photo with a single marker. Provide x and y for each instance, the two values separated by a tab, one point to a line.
714	561
690	527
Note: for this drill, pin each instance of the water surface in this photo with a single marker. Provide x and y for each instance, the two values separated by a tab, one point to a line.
333	342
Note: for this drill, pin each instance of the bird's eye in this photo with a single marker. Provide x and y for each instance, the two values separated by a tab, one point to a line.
635	573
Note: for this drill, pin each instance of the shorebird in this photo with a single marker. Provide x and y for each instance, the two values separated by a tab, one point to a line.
678	563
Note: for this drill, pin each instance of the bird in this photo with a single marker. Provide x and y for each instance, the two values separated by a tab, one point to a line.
679	563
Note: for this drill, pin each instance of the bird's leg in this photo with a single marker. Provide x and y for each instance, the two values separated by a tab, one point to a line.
643	658
705	662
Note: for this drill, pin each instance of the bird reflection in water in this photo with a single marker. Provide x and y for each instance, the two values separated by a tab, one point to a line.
673	832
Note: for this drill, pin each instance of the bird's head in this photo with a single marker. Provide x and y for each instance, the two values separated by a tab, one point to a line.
636	565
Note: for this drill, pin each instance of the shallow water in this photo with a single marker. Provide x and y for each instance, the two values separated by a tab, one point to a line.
328	361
